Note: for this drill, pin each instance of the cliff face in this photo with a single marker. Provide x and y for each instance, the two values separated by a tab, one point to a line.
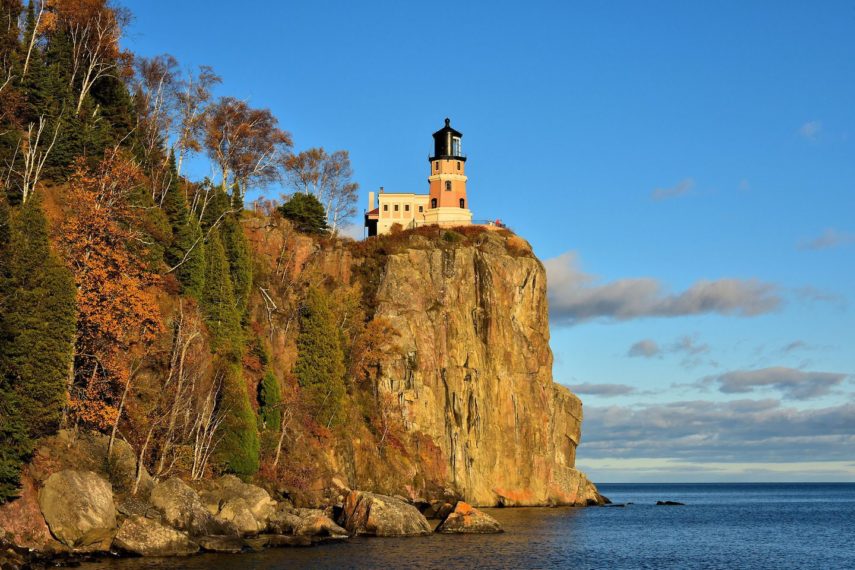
474	372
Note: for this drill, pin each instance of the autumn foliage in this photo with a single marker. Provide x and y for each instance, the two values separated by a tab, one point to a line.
118	313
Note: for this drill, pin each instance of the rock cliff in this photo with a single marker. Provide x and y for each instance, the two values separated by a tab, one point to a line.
474	370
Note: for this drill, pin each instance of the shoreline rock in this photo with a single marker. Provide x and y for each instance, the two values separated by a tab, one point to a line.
466	519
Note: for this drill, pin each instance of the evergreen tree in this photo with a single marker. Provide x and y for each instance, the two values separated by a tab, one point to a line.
218	205
37	328
218	299
320	359
306	213
240	262
270	401
187	247
239	449
40	317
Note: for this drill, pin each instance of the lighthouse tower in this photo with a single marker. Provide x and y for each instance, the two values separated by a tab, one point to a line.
448	204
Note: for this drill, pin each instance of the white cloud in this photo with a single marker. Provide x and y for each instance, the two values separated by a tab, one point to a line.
353	231
792	383
810	130
828	239
645	347
682	187
603	390
575	296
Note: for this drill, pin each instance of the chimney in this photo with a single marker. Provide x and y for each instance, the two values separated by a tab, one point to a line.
370	201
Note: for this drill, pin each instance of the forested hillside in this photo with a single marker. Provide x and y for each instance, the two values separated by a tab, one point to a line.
125	287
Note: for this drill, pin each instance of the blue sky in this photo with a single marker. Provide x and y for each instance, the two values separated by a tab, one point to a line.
685	169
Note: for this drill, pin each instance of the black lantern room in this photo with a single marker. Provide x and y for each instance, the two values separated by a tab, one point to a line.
446	144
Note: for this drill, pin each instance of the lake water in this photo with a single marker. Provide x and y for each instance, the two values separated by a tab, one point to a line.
747	526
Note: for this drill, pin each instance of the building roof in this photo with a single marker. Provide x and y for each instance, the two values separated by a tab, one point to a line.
447	128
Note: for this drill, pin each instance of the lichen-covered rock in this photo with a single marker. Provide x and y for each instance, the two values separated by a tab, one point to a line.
237	512
473	370
78	508
182	508
147	537
214	494
283	520
222	544
319	525
378	515
466	519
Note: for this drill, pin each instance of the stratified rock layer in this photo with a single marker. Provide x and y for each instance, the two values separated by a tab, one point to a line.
474	372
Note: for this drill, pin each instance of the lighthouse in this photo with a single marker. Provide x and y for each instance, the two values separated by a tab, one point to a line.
446	203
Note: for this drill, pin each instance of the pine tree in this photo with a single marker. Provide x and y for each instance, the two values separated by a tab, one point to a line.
218	299
37	327
320	359
306	213
187	249
40	317
270	401
239	449
240	262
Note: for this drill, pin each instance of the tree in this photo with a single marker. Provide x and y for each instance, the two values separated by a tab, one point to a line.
39	318
328	178
247	144
193	97
186	254
306	213
270	401
94	29
239	448
37	325
320	359
106	242
218	299
240	262
155	91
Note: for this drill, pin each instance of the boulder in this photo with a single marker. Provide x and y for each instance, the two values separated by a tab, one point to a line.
378	515
279	540
466	519
670	504
182	508
147	537
318	525
215	494
237	512
78	508
283	520
437	510
221	543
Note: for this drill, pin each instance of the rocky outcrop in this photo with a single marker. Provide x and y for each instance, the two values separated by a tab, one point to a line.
378	515
474	370
147	537
182	508
231	500
78	508
466	519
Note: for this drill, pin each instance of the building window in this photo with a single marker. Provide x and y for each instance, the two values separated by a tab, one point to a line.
462	203
455	146
436	166
385	207
407	208
458	165
433	203
396	207
421	209
448	185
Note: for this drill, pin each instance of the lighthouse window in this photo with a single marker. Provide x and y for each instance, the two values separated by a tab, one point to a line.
455	146
462	203
458	165
448	185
